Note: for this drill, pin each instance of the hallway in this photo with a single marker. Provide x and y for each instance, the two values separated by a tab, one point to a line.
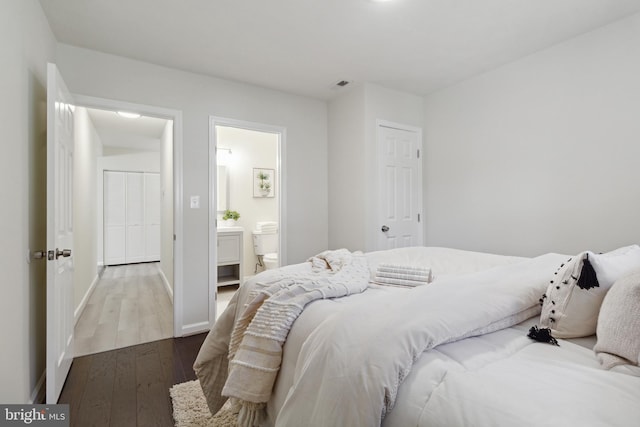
129	306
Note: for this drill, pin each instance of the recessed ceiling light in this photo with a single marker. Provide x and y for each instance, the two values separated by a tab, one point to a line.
128	115
379	1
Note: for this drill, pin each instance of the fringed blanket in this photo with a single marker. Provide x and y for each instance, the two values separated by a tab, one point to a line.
258	333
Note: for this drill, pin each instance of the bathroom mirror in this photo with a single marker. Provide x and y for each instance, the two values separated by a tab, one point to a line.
223	188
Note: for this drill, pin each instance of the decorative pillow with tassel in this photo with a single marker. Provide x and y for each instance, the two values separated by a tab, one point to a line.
571	305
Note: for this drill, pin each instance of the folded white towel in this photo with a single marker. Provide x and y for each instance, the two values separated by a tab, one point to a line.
398	282
404	275
396	268
424	277
267	226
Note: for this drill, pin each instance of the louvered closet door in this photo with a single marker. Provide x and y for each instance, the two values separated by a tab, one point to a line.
152	216
114	217
135	248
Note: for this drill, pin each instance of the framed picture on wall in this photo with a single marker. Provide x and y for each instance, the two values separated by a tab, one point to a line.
263	182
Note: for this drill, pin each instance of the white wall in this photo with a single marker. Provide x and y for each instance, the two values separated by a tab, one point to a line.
398	107
541	154
166	219
353	160
87	148
128	161
26	44
347	170
197	96
250	149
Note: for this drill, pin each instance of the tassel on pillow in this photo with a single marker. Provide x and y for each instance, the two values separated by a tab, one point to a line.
588	278
542	335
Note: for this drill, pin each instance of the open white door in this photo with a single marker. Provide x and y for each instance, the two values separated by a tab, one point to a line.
400	186
60	308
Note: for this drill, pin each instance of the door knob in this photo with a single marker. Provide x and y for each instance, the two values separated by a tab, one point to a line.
384	228
63	253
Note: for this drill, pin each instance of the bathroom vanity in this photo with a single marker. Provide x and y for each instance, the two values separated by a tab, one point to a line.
230	254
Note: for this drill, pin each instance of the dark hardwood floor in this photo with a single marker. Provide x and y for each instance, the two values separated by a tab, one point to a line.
129	386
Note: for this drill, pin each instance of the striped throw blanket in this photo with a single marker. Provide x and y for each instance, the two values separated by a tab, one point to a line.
255	348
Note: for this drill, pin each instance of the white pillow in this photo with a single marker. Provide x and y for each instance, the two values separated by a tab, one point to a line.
619	324
571	311
613	265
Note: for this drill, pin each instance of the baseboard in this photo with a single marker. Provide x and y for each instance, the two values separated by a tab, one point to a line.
167	285
38	393
195	328
100	268
78	312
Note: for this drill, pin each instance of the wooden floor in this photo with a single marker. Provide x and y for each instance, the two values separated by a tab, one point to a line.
225	293
129	306
129	386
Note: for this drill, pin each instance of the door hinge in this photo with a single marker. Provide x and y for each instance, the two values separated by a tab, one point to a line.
418	217
418	154
174	237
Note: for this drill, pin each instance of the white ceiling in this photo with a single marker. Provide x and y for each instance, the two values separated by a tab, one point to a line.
305	46
141	134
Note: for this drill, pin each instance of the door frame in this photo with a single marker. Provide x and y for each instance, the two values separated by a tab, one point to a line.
280	189
178	241
380	123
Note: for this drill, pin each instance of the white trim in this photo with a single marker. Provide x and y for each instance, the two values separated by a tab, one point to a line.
213	199
178	227
194	328
83	304
167	285
399	126
38	389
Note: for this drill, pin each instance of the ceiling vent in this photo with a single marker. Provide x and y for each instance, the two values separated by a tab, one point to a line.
340	84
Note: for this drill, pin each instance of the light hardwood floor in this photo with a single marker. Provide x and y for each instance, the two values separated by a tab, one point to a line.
129	306
225	293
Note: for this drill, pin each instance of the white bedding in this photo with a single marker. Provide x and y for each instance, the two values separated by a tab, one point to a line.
499	378
506	379
352	366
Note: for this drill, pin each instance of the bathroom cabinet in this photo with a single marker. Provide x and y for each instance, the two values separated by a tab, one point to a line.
230	252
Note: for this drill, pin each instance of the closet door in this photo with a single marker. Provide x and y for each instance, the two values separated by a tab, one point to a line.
135	218
114	217
152	216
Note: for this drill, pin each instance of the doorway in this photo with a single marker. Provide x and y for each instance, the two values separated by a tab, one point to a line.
400	169
246	178
142	156
124	178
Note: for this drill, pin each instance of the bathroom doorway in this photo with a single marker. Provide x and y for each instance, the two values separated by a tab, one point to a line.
246	214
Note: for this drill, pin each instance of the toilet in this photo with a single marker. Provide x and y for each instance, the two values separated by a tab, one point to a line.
265	244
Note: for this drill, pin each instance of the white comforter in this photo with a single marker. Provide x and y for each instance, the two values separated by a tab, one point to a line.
506	379
349	369
347	361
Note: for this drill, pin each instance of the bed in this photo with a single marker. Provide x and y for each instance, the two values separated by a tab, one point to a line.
455	351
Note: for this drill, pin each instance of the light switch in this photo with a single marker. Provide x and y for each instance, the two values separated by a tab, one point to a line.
195	202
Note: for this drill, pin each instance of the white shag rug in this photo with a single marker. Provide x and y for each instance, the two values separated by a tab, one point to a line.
190	408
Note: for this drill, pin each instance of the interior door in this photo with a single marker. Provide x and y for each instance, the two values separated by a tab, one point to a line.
134	246
400	187
60	307
114	217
